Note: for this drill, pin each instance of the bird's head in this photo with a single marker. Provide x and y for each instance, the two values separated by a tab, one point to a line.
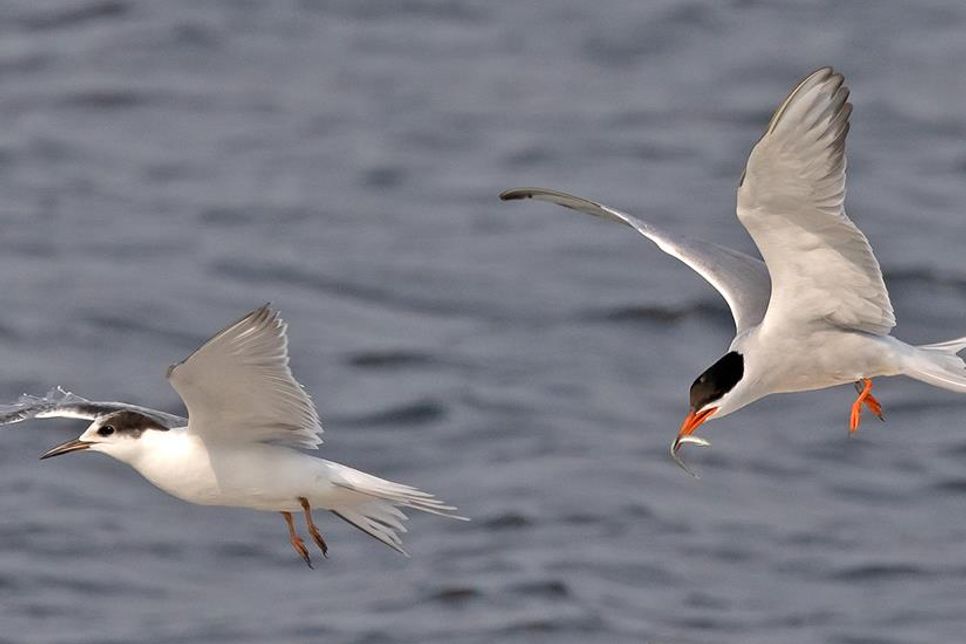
711	391
117	435
717	392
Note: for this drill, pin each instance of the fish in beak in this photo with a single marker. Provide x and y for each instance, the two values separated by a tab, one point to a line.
692	421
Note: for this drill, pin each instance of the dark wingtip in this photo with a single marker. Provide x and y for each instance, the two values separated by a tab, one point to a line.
516	193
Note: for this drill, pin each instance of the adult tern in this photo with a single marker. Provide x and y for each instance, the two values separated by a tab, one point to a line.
815	313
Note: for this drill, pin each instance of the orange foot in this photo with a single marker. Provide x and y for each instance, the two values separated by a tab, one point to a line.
864	387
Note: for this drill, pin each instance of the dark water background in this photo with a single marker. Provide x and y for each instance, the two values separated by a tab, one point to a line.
167	166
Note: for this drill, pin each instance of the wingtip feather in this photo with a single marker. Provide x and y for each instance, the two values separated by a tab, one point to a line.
516	193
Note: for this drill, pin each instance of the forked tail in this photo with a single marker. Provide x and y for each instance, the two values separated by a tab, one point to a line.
372	504
938	364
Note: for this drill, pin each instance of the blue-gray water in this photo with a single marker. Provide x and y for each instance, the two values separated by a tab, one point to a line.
165	167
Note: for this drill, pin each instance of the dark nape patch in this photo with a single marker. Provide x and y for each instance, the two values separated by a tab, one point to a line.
131	423
717	380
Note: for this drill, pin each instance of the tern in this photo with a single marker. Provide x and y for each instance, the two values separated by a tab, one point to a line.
239	446
815	313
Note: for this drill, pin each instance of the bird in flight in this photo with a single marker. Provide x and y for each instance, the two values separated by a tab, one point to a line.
239	446
815	313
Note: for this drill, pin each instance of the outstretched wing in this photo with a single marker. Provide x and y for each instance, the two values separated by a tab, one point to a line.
63	404
791	200
238	386
741	279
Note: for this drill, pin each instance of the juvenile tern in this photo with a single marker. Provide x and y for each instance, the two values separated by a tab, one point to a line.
246	416
815	313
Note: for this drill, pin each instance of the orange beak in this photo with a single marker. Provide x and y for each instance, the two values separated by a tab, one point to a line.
692	421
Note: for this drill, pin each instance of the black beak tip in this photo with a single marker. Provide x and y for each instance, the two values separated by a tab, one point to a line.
66	448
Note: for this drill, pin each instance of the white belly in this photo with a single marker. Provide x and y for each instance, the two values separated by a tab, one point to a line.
261	477
825	359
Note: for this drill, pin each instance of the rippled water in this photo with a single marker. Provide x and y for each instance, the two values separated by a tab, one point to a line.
166	167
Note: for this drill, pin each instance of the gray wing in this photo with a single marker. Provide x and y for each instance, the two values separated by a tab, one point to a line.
63	404
238	386
791	199
741	279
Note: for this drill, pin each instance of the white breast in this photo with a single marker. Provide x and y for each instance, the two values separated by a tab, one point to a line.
257	476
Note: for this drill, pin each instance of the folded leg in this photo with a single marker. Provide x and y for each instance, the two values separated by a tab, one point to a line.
864	387
295	540
316	535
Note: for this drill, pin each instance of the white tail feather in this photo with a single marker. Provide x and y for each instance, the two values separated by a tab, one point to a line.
371	504
938	365
949	346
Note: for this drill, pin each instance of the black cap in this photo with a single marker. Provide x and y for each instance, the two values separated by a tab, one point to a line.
717	380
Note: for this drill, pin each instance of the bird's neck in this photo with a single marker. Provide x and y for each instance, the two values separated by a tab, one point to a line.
156	447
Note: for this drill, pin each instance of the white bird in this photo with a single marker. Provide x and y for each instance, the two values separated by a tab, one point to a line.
246	416
816	312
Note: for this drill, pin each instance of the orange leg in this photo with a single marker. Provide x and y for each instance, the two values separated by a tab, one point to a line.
294	539
864	387
874	406
316	535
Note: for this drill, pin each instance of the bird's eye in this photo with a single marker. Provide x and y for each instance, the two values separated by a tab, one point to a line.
106	430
